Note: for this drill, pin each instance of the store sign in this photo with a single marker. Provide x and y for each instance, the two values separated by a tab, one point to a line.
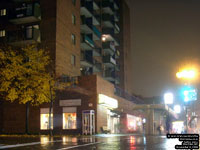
70	102
108	101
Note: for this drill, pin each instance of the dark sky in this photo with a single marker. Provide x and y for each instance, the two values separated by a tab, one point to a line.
165	37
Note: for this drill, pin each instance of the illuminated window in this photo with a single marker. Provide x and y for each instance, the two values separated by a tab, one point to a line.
44	119
2	33
3	12
69	118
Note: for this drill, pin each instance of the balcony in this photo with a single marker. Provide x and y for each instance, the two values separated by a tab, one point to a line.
117	54
97	52
26	14
97	67
109	75
117	80
86	8
110	35
86	59
109	61
117	67
108	20
29	35
108	7
97	33
86	42
109	47
86	25
96	5
117	29
116	4
116	16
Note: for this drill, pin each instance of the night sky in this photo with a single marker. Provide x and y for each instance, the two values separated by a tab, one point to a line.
165	36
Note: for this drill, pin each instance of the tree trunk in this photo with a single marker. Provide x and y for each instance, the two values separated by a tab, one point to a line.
50	110
27	118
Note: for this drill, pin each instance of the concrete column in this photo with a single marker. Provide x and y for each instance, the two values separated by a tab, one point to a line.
149	115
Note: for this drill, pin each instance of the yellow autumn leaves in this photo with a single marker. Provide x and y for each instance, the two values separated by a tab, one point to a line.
24	77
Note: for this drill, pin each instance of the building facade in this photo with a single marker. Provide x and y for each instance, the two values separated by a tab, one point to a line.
89	44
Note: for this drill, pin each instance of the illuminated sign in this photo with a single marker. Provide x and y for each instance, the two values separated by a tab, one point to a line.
108	101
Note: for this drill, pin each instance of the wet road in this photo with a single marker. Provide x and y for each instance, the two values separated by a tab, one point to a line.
99	142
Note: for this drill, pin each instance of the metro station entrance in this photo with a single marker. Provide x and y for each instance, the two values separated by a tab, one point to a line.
88	122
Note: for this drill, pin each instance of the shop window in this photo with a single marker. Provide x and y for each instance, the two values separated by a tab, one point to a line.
69	118
73	19
3	12
44	119
2	33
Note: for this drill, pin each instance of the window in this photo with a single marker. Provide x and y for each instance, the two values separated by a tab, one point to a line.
69	118
73	39
44	119
2	33
74	2
29	32
73	60
73	19
3	12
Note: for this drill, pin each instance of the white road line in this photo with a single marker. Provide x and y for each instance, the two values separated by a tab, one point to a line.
26	144
79	146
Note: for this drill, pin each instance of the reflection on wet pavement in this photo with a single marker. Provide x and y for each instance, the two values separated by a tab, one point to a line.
99	142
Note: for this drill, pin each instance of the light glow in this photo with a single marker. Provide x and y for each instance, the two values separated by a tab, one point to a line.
168	98
187	74
177	109
108	101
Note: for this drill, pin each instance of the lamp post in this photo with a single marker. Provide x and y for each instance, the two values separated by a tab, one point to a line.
168	99
187	75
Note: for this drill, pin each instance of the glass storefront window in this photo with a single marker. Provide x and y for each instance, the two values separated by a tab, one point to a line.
69	120
44	119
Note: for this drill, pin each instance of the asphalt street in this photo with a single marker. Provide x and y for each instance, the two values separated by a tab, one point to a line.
98	142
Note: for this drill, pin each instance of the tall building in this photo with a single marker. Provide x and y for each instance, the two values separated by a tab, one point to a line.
84	38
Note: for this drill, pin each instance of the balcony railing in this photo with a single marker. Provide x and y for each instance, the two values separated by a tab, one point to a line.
86	24
108	20
26	14
87	8
122	93
28	35
86	59
109	75
86	42
97	66
109	61
108	7
97	32
109	47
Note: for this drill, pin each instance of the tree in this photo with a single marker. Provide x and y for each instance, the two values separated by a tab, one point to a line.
24	77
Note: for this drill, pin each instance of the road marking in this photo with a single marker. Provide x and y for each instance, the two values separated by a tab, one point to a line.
80	146
26	144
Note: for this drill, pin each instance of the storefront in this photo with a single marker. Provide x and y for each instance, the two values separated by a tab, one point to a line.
106	117
134	124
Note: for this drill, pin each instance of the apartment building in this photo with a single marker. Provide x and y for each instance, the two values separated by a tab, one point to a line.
84	40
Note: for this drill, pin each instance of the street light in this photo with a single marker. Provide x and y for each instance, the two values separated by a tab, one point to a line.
177	109
187	74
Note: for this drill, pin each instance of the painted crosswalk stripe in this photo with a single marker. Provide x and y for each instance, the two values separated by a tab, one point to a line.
80	145
26	144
